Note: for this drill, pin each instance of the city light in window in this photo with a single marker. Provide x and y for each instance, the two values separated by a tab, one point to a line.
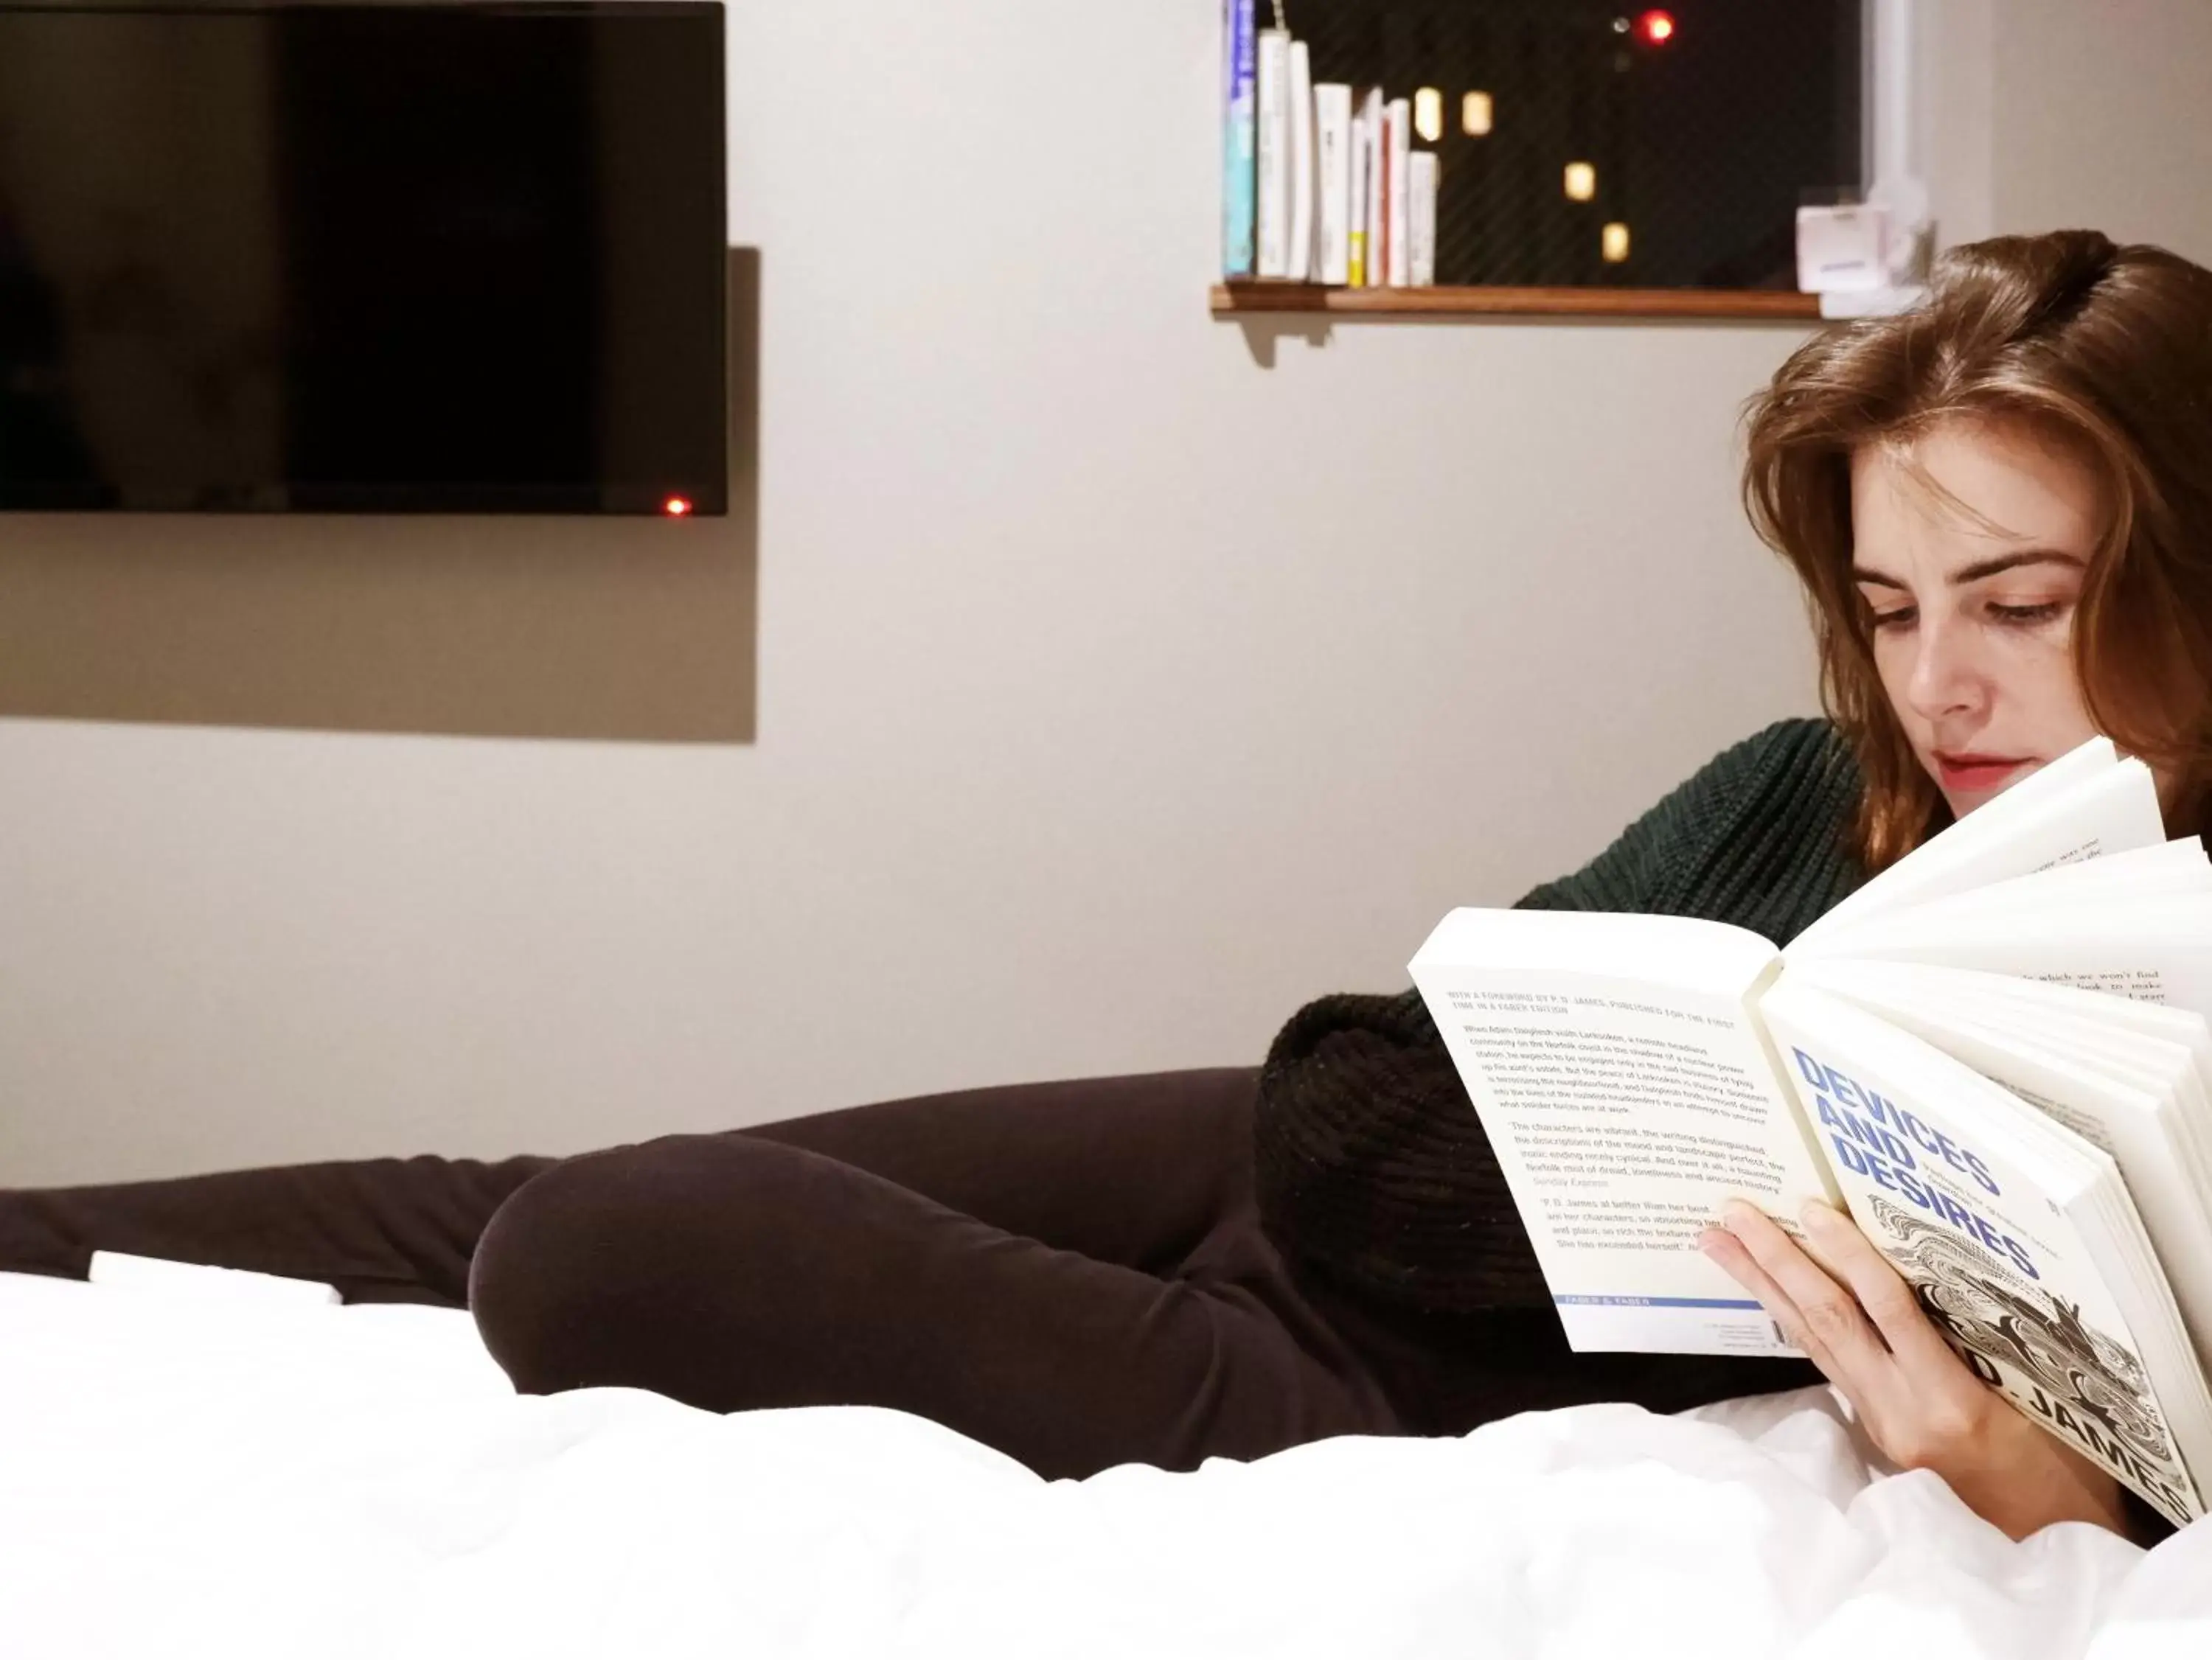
1429	113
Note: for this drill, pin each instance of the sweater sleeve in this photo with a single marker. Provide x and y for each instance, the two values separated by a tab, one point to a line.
1369	1164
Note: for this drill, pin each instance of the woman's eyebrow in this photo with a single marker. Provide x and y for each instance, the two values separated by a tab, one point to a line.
1979	569
1989	567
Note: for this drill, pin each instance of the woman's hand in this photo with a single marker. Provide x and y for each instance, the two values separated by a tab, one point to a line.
1861	1324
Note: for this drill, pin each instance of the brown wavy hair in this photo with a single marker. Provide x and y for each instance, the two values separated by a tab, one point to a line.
2105	349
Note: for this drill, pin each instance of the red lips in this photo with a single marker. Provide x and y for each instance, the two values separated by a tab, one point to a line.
1969	772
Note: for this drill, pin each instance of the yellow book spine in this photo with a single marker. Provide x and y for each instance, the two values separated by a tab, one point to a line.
1357	271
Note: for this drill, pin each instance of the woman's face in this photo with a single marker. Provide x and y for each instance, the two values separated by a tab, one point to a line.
1969	549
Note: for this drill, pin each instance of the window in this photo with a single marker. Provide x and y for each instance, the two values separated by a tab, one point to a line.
1599	145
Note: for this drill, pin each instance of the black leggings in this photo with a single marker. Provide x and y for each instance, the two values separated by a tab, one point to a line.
1073	1272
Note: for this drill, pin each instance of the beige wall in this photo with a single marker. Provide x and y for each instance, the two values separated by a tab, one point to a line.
2039	114
2100	118
1122	679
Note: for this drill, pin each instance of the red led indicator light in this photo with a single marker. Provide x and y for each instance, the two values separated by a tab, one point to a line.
676	507
1656	26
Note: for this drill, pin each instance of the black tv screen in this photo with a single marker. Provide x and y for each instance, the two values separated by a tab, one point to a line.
363	257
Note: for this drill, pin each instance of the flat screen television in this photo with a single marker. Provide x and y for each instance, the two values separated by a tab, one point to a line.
343	258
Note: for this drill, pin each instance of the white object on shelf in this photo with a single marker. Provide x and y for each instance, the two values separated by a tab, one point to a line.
1422	178
1273	206
1842	250
1848	256
1371	158
1302	164
1333	147
1870	302
1361	212
1870	260
1399	129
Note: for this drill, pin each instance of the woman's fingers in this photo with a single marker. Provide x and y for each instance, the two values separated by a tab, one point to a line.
1881	1292
1858	1320
1823	1318
1724	1248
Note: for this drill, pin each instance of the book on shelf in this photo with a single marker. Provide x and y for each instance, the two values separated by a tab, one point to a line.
1421	184
1272	115
1303	180
1238	137
1374	192
1320	181
1995	1055
1360	174
1398	127
1379	196
1333	162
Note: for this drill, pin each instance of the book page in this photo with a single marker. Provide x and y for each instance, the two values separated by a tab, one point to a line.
2152	951
2030	828
1625	1110
2071	896
2173	868
1996	1216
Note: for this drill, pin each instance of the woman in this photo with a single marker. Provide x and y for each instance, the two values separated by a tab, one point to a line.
2013	486
1995	504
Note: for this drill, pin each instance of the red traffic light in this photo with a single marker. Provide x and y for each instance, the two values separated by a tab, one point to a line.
676	507
1656	26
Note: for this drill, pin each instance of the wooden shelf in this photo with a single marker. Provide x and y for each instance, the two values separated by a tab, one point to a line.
1255	299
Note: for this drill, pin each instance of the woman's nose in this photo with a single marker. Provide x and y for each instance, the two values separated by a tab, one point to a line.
1946	680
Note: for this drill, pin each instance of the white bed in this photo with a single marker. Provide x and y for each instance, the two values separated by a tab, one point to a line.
182	1476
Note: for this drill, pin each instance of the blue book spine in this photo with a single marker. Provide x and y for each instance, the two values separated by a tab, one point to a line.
1239	160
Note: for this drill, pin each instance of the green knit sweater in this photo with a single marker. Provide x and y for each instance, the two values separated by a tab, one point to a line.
1372	1167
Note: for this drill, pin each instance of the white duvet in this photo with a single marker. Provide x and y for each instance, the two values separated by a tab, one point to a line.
185	1478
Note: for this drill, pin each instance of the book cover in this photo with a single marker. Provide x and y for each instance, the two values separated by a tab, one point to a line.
1333	145
1422	180
1303	184
1361	196
1995	1248
1372	190
1272	207
1238	182
1398	231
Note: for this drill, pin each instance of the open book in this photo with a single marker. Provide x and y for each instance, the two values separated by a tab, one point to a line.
1995	1055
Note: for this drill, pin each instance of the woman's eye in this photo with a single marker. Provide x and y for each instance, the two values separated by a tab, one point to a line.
2025	615
1902	617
